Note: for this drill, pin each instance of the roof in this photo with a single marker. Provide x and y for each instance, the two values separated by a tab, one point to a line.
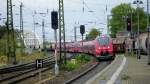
118	40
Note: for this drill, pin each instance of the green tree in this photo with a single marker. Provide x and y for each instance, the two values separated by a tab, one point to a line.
3	40
2	31
92	34
119	15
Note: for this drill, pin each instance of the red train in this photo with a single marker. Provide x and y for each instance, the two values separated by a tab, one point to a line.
104	47
101	47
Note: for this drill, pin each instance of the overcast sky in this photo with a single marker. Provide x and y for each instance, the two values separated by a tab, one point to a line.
94	14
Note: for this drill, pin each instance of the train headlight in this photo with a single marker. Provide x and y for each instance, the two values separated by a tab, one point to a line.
108	47
99	48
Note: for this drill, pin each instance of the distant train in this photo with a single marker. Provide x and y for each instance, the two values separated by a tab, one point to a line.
126	43
143	42
101	47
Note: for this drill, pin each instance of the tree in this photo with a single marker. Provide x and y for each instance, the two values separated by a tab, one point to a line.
2	31
92	34
3	40
119	15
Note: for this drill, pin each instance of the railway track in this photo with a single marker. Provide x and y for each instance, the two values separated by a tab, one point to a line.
18	73
84	76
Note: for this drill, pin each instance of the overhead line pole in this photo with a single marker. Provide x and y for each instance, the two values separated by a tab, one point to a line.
21	30
34	28
62	31
75	33
43	32
11	48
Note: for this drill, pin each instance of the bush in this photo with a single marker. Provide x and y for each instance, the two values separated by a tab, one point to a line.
87	58
82	58
71	66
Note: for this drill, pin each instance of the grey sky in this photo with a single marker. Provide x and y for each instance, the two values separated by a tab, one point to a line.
73	13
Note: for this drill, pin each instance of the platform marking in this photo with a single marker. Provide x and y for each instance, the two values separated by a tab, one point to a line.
99	74
116	74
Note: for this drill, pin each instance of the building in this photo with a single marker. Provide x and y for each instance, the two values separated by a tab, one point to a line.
32	40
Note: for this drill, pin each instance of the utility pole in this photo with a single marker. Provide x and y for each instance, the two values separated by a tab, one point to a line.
11	48
148	29
21	30
43	31
138	2
34	28
62	31
107	24
75	33
138	52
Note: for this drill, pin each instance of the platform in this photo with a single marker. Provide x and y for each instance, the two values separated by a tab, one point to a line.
135	71
124	70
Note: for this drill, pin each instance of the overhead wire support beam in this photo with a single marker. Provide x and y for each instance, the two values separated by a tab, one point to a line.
11	48
62	31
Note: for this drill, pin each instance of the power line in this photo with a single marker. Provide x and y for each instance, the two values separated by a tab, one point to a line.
90	10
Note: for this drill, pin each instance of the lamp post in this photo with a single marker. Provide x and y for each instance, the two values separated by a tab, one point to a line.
138	42
148	30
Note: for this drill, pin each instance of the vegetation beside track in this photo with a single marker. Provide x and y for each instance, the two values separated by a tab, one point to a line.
21	59
75	63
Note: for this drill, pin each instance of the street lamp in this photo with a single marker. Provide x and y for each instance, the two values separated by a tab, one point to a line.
148	31
138	42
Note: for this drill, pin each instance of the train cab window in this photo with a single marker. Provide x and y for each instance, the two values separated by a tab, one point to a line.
103	40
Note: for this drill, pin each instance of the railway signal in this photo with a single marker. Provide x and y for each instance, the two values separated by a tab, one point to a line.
82	31
54	21
128	24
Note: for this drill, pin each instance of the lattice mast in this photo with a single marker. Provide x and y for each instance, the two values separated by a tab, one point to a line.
11	48
62	31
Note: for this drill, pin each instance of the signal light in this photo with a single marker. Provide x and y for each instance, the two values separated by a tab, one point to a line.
54	19
82	29
128	24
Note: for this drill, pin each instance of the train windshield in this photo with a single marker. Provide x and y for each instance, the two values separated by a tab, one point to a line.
103	41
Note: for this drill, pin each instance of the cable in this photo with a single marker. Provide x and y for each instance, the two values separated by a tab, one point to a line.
90	10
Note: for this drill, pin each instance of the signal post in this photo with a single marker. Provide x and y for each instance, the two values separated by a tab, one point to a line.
54	21
82	31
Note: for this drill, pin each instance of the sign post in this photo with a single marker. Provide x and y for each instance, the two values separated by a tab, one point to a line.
56	64
39	64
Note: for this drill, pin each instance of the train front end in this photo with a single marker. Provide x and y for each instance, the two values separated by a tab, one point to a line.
104	47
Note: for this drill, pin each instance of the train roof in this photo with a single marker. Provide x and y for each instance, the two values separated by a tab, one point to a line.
104	35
